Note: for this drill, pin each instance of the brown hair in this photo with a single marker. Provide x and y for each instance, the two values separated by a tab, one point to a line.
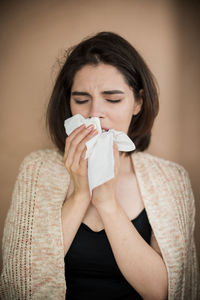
109	48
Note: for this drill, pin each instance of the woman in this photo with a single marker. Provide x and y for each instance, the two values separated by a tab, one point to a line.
133	237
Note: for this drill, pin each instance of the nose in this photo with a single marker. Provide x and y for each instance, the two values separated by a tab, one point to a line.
96	109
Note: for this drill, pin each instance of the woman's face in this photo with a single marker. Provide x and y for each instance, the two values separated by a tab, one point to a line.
101	91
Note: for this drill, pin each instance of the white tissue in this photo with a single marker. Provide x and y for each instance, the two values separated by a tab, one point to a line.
100	149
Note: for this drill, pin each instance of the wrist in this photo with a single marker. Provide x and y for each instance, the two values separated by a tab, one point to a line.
108	207
81	197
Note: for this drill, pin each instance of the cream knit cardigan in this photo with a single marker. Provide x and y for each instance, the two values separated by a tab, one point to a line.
33	251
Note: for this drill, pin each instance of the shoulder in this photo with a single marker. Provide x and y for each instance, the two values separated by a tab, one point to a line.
43	156
43	163
163	173
160	165
45	171
167	177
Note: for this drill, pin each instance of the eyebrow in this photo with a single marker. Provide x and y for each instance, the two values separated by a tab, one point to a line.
111	92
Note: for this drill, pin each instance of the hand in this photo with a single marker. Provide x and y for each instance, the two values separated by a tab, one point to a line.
106	192
75	163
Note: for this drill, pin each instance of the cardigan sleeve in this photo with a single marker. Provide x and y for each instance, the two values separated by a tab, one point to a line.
15	280
192	283
32	244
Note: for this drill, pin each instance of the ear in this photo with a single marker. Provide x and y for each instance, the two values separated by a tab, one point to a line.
138	103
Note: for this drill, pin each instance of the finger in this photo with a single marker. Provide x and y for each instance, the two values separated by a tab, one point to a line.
70	137
116	158
115	146
83	154
83	162
81	148
73	144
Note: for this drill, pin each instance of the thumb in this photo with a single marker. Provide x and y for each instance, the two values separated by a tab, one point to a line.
115	146
116	158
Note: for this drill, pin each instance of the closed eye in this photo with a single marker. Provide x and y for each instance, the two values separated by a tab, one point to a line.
80	102
113	101
84	101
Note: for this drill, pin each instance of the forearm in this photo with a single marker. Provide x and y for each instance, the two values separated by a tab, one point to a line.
143	268
72	215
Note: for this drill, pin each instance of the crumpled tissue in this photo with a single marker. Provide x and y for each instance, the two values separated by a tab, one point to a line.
100	149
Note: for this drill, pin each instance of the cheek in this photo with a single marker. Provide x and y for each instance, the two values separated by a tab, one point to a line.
78	109
122	113
75	110
121	118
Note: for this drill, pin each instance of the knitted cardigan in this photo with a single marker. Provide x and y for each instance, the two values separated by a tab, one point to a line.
33	250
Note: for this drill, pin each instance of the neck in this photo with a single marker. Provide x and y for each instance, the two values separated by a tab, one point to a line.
126	166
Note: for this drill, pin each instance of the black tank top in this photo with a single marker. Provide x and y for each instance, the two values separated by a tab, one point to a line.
91	271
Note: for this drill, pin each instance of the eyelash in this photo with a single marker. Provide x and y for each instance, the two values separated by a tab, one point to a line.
84	101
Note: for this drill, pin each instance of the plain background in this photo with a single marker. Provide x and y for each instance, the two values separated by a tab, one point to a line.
34	36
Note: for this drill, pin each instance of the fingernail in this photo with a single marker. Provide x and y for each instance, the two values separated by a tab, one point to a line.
82	126
94	132
90	127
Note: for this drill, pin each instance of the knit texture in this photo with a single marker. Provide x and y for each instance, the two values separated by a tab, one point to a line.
33	249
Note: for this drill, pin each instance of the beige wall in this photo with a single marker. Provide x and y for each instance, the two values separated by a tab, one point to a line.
35	33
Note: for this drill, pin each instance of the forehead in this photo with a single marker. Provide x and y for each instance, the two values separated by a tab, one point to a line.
102	76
